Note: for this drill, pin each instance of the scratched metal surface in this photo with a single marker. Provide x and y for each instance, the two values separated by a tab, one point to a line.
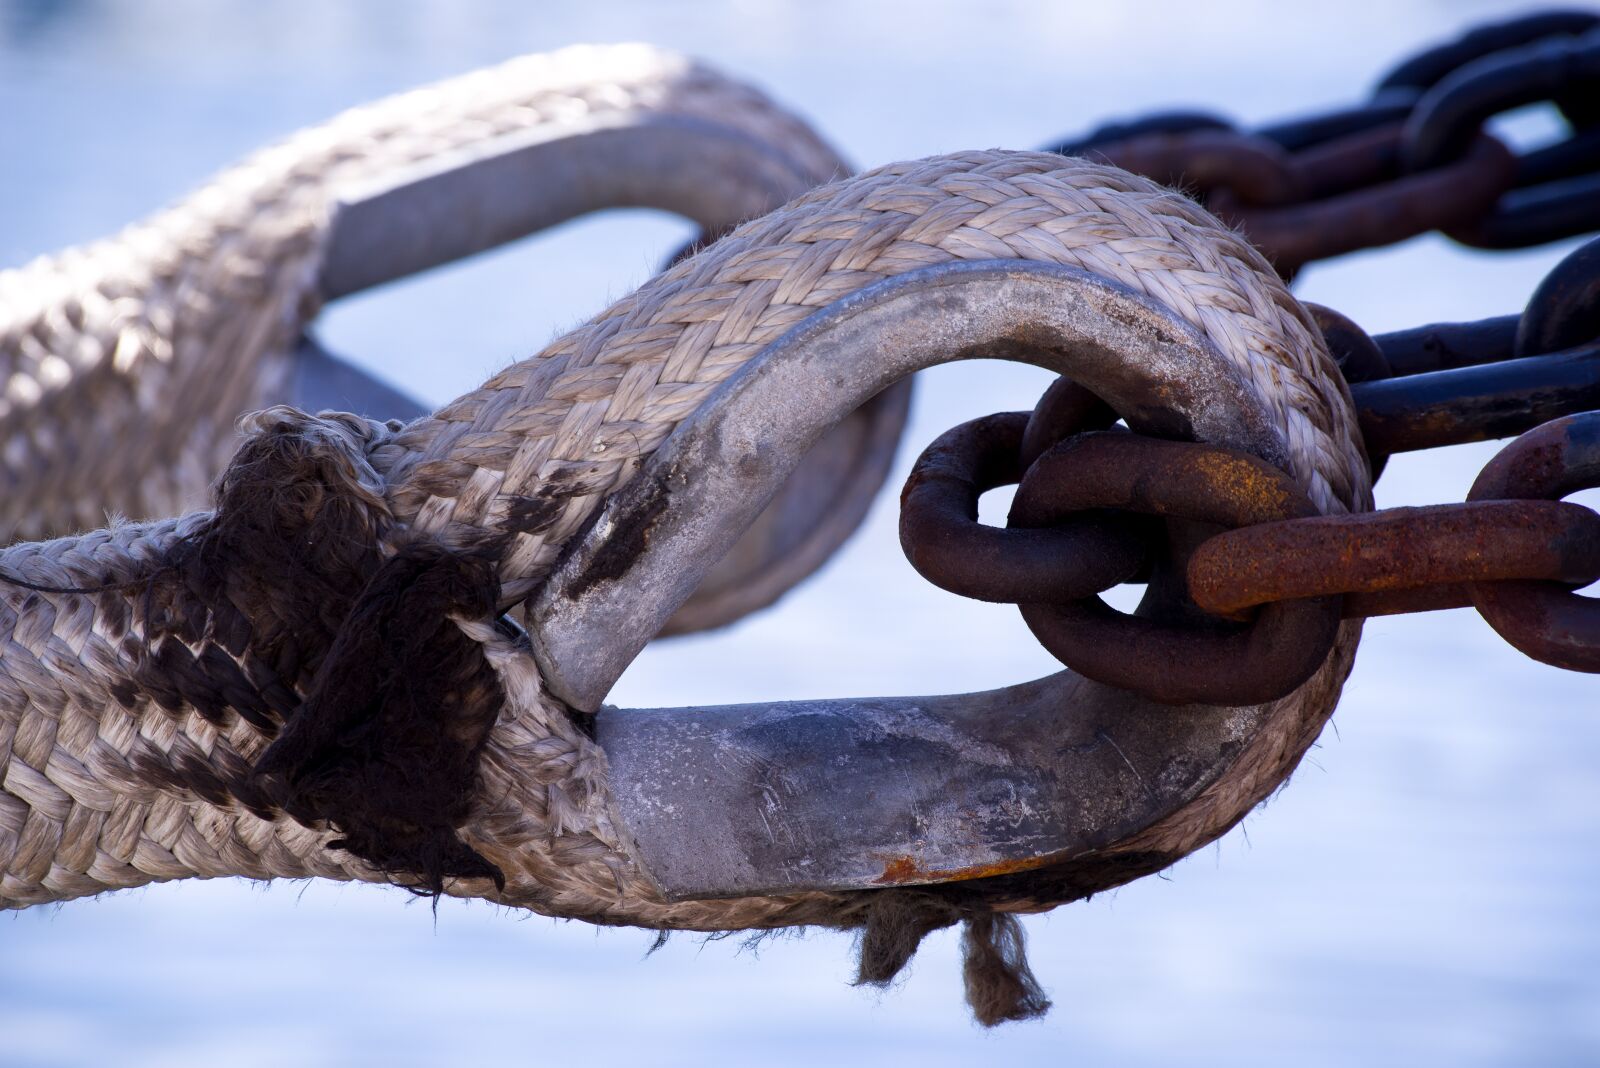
1421	893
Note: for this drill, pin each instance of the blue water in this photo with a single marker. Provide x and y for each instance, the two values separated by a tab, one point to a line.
1421	893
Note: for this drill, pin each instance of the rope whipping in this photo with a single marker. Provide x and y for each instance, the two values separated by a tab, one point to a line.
198	722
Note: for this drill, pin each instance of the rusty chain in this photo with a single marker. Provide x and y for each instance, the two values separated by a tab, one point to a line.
1246	584
1413	158
1253	580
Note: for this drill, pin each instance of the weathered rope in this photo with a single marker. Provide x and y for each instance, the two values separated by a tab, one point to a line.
571	425
130	724
124	364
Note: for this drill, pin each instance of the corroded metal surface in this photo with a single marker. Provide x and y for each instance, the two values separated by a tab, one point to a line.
1382	212
1545	620
1411	157
1476	403
943	540
1396	549
1166	651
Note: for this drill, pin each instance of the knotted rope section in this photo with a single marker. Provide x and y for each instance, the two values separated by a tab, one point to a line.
125	363
251	692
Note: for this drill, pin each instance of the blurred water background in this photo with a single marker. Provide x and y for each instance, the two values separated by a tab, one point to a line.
1422	891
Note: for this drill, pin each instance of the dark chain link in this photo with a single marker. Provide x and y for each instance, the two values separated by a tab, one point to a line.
1544	619
1451	383
1411	159
1514	551
1193	489
947	545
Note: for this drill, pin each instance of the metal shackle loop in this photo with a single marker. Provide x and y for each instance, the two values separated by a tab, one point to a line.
885	791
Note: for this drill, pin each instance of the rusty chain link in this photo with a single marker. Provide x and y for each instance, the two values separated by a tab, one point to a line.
1514	551
1544	619
1193	488
1246	583
1412	159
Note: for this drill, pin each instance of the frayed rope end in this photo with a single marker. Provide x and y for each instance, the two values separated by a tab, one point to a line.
999	983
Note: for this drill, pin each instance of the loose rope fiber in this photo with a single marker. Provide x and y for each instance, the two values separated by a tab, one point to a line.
125	364
129	723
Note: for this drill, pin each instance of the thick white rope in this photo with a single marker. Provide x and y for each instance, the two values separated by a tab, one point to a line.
125	363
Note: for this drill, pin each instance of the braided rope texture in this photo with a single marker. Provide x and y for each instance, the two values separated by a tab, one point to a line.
549	438
125	363
572	424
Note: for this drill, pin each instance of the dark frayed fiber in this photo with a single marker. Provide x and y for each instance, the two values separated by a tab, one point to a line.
1000	985
282	610
894	924
385	745
288	549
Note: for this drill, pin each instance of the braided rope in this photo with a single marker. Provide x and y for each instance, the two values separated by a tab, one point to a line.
125	363
79	815
573	423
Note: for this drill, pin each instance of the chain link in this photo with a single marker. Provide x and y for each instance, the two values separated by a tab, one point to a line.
1545	620
1411	159
1246	584
1193	489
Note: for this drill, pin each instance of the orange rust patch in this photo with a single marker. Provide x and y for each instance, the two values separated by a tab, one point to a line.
902	870
899	870
1245	486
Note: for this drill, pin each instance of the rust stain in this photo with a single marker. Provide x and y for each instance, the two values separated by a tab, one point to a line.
904	870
